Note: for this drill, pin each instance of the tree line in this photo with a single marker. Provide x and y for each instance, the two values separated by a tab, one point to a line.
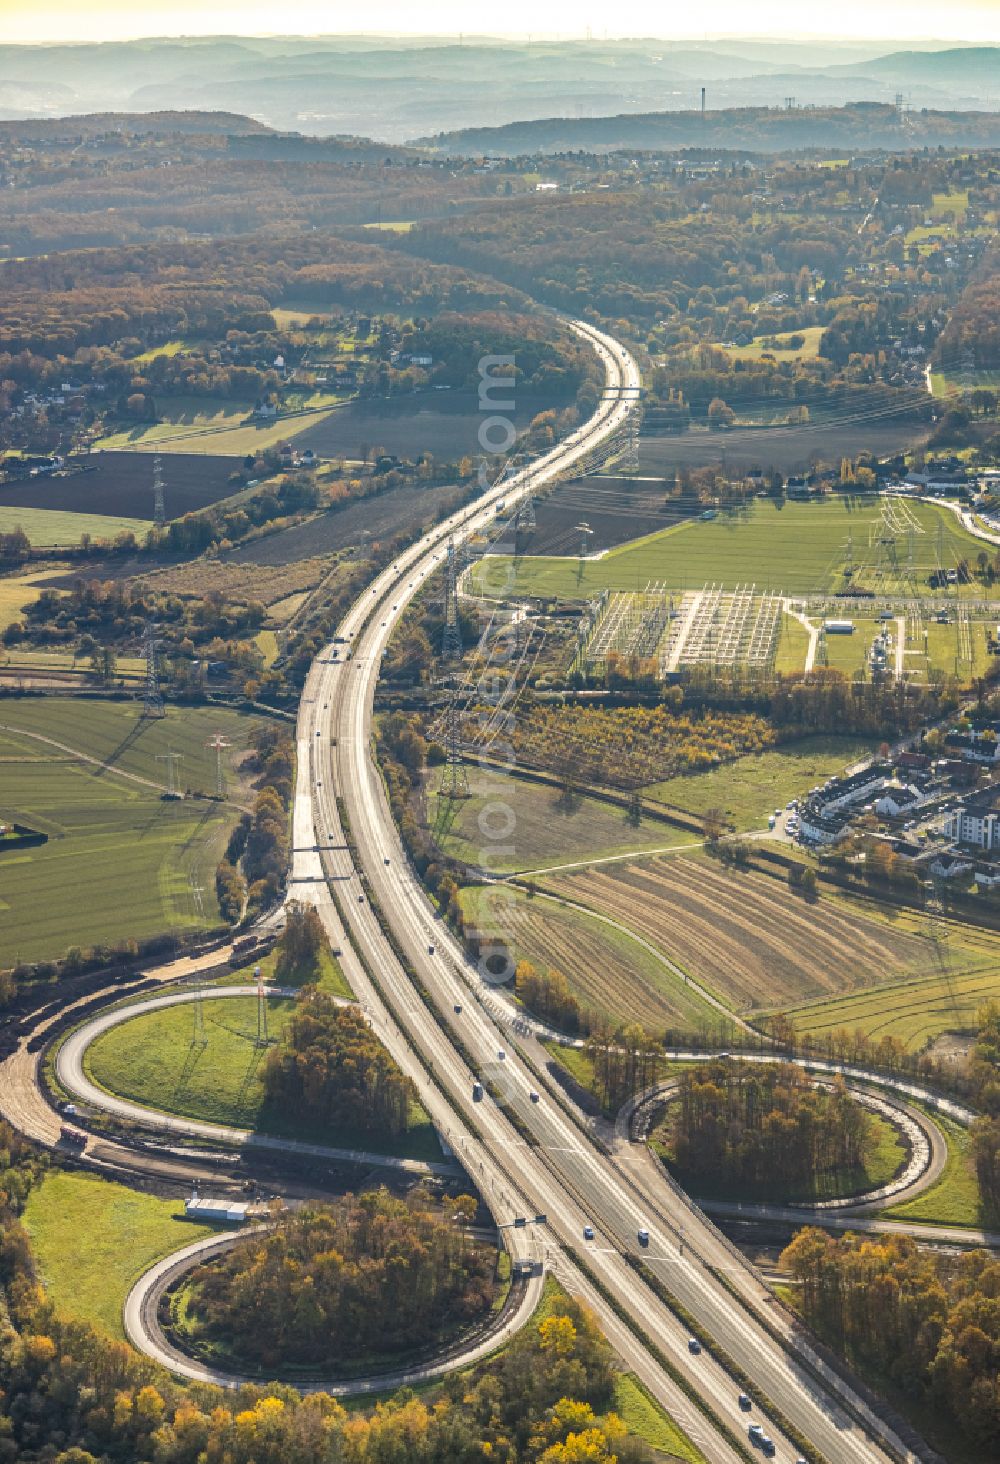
251	873
928	1323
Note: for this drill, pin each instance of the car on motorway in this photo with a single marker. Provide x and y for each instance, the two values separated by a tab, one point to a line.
744	1402
458	1008
477	1092
643	1237
588	1232
501	1055
694	1346
533	1096
767	1446
430	949
387	859
755	1433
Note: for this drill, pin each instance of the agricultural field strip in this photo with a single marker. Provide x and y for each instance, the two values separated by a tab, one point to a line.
744	930
573	942
79	756
72	1076
56	528
627	858
658	955
802	547
910	1010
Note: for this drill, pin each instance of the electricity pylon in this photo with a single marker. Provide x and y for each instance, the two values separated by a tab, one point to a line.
152	702
451	646
159	509
171	758
455	782
218	743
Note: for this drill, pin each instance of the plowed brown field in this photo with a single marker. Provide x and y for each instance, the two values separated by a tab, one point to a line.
610	973
746	936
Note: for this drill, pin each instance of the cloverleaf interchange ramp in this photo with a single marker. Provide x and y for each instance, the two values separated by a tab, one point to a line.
537	1158
533	1157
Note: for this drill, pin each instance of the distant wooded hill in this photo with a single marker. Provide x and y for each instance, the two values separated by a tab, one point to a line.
858	127
395	88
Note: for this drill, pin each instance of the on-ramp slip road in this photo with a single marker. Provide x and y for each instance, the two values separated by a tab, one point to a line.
141	1319
531	1156
72	1076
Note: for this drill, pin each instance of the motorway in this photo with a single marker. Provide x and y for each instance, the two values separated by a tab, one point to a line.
533	1157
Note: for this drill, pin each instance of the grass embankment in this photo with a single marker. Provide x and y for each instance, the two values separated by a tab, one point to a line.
92	1239
214	1072
750	788
120	862
640	1412
800	548
537	826
609	972
645	1418
955	1199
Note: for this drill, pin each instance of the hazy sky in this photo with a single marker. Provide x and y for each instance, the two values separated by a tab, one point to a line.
899	21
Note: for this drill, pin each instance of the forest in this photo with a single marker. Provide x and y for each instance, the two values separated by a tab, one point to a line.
927	1323
972	334
331	1072
57	304
69	1395
154	179
367	1275
753	1126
